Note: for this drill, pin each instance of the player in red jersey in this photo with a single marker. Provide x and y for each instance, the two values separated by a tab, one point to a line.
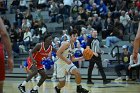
39	52
6	41
136	45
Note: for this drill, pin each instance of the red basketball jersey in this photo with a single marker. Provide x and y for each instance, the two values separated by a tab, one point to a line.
39	55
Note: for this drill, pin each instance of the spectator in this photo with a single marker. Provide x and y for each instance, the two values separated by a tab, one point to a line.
138	5
135	22
125	57
112	5
121	5
67	7
27	38
125	20
54	11
23	5
41	4
14	5
18	17
60	15
97	23
116	35
102	9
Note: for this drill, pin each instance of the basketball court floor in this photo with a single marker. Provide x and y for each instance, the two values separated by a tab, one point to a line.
48	87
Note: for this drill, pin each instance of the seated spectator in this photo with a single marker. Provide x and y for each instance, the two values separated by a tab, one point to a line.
78	53
134	66
23	5
41	4
108	27
102	9
125	57
18	18
116	35
138	5
94	10
135	22
27	38
65	35
121	5
60	15
112	5
25	23
3	6
53	11
97	23
14	6
125	20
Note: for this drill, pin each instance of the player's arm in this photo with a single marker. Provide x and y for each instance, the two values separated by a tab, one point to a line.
7	44
34	50
73	59
63	47
136	44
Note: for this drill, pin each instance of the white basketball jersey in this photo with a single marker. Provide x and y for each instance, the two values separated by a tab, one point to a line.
67	53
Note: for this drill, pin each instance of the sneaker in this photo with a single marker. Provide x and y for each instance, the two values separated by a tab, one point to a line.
53	79
106	81
38	78
118	79
90	82
34	91
81	90
21	88
57	90
127	78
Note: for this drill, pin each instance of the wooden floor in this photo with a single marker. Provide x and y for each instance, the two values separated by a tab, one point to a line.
48	87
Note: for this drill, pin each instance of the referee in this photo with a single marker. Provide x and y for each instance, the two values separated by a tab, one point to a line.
93	43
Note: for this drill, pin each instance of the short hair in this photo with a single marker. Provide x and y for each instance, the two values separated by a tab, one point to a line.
74	31
46	36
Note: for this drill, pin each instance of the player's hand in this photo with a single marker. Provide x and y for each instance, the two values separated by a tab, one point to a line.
10	64
129	67
96	54
81	59
135	58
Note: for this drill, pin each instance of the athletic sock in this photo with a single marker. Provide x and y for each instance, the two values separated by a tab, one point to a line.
23	83
36	87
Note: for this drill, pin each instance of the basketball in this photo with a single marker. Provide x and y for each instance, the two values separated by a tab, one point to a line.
87	53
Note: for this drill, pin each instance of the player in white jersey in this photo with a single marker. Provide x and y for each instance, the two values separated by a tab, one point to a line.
64	64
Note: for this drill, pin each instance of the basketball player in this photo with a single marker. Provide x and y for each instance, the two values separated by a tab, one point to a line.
6	41
38	53
136	45
64	63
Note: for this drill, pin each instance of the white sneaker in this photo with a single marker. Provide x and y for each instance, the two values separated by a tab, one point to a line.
118	79
38	78
53	79
127	78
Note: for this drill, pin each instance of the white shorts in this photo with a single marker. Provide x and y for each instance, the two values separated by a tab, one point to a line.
62	69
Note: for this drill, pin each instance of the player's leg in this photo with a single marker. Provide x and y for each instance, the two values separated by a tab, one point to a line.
43	78
1	86
34	71
73	70
2	69
61	77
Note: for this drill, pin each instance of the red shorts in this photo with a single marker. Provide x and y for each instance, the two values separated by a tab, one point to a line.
29	62
2	64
